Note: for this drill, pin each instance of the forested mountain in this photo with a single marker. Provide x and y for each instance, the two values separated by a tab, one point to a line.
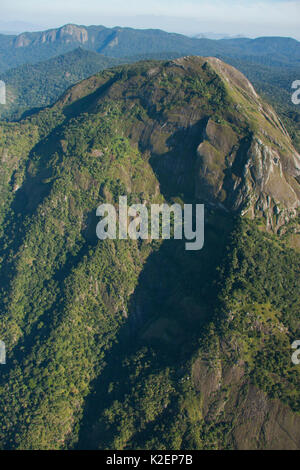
126	42
39	85
124	344
274	84
271	64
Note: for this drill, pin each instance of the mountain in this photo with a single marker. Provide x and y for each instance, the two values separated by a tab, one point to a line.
35	86
274	84
130	344
39	85
33	47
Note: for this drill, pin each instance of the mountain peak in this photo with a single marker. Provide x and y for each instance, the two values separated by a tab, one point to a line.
208	132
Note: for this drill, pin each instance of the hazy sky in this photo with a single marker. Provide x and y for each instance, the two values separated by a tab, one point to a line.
247	17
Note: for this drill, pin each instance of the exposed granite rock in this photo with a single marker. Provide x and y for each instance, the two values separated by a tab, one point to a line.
67	33
207	133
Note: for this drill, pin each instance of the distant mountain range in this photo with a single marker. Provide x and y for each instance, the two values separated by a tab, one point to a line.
32	47
36	85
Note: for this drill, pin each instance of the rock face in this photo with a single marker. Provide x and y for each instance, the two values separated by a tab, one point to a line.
68	33
273	425
256	174
247	176
208	134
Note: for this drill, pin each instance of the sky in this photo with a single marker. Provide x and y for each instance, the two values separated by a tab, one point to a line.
250	18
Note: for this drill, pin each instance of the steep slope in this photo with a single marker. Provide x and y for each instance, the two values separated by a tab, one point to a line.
244	159
274	84
141	344
271	64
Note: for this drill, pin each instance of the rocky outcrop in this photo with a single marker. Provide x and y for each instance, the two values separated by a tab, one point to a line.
67	34
256	421
208	134
248	175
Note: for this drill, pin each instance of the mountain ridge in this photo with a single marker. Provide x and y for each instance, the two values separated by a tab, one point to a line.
29	87
262	144
123	42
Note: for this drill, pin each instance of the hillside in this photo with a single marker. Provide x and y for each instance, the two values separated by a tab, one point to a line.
30	87
126	42
124	344
30	63
39	85
274	84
